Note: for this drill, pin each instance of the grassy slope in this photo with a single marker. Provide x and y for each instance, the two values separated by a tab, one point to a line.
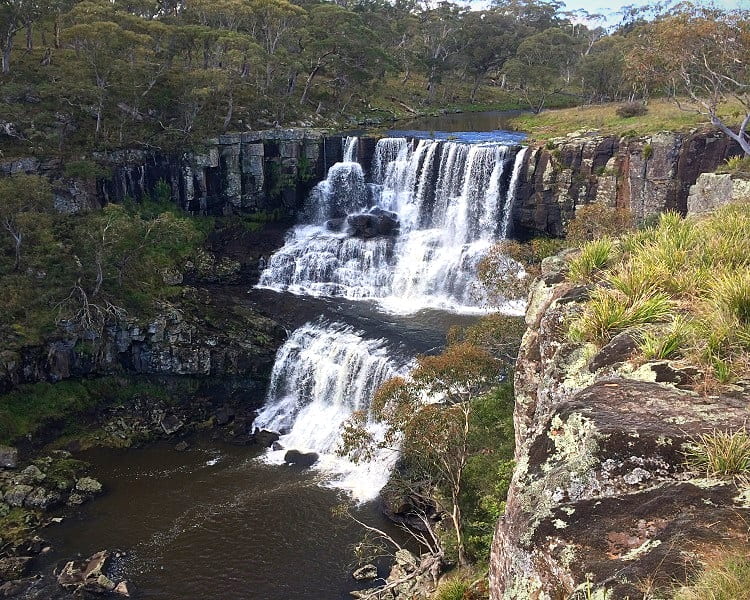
662	115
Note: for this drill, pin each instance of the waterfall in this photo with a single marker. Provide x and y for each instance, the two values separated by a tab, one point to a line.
411	237
322	374
512	194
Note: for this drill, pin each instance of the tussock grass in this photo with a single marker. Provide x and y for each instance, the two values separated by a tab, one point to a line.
594	256
720	453
728	578
683	286
453	589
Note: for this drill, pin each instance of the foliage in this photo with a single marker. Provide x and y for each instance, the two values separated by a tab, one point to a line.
725	578
631	109
703	53
682	285
430	414
27	409
453	589
738	166
85	169
593	221
720	453
594	257
509	267
86	268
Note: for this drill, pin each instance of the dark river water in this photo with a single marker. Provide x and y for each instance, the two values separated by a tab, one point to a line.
214	522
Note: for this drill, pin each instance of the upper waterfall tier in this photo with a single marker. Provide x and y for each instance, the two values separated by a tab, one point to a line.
411	233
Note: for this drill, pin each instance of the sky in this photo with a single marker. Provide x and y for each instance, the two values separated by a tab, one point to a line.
611	7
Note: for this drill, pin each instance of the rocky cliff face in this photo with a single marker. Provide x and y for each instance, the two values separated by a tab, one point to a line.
601	500
644	175
233	174
220	341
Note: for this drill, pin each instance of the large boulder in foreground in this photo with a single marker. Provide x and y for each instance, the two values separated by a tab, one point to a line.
602	497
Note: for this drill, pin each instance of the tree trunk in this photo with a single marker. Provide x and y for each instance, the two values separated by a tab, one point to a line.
7	47
57	32
308	83
230	111
29	37
477	82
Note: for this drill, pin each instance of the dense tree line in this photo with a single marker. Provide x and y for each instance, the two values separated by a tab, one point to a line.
108	73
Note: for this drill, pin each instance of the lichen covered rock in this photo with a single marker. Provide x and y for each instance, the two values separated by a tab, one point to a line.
601	497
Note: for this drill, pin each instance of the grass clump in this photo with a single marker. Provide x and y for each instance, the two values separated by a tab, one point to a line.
682	285
594	257
736	165
720	453
631	109
725	579
453	589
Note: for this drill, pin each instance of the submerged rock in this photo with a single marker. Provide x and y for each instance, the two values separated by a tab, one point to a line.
88	485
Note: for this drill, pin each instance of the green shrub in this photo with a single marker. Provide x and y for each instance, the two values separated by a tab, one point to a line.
453	589
736	165
648	151
610	312
720	453
594	257
631	109
85	169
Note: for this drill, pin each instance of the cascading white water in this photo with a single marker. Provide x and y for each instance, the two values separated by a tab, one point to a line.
322	374
452	200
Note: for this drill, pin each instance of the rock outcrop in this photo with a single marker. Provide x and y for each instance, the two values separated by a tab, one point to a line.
601	497
645	175
243	173
213	341
712	190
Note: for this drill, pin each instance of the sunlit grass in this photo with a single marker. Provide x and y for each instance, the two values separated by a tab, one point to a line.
663	115
681	287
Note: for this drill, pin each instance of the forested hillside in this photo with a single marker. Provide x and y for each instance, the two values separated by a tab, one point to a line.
162	73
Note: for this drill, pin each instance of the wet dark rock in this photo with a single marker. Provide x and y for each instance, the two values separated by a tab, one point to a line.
171	424
8	457
275	446
224	415
86	574
619	349
365	572
335	224
181	446
301	459
265	438
368	225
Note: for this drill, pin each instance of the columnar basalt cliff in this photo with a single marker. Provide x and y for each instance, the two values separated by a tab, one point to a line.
645	175
234	174
601	500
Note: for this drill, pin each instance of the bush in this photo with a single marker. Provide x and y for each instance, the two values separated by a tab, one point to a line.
85	169
736	165
453	589
593	221
631	109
